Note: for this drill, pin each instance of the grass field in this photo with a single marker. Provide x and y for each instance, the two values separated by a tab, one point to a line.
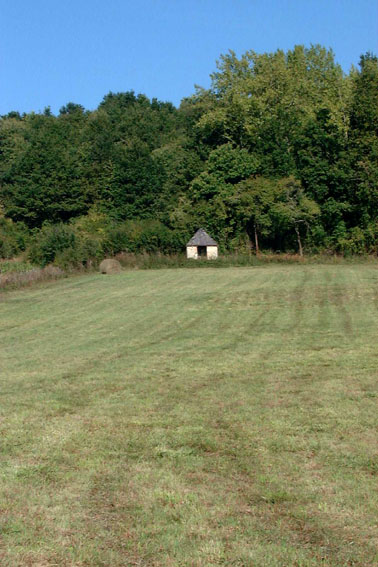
191	418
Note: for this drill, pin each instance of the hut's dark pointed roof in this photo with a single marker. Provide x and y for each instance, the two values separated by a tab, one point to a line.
201	238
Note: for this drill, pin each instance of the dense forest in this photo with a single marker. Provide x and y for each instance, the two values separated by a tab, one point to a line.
280	154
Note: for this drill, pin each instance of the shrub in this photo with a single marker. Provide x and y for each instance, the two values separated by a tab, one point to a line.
353	242
13	238
51	241
142	236
118	239
10	266
86	252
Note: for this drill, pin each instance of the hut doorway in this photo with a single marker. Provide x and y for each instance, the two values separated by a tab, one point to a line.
201	251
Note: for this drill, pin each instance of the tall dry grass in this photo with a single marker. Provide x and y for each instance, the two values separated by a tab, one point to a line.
16	279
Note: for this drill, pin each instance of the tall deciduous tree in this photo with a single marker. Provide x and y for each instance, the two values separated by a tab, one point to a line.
294	209
260	102
253	206
323	167
363	141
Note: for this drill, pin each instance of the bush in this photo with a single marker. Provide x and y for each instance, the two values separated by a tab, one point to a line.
118	239
142	236
353	242
11	266
13	238
86	252
51	241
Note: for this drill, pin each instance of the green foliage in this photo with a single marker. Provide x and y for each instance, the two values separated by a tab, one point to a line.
272	208
88	239
358	241
211	190
51	241
253	206
44	178
294	209
138	174
323	167
142	236
13	237
8	266
364	141
260	101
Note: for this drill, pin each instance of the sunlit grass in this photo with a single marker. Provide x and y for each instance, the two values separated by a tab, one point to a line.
191	418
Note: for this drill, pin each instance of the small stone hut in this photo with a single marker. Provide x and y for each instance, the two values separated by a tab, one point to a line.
202	245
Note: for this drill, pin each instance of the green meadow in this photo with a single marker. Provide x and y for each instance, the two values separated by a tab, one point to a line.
192	418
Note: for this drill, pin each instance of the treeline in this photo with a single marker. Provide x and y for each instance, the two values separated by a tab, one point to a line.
281	153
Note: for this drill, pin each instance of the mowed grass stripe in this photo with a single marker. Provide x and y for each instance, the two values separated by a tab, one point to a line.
191	417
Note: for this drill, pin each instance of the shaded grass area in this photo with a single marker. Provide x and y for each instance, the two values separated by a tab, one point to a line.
15	274
146	261
191	418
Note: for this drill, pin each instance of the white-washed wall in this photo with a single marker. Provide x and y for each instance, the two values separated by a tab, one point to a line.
212	252
192	252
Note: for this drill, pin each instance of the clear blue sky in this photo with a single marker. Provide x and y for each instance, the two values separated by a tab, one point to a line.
53	52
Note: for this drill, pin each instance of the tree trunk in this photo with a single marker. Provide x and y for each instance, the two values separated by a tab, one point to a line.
299	241
256	242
